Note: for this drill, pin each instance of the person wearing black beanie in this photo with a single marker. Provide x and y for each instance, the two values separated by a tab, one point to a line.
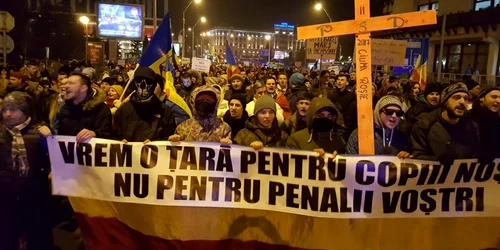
432	95
485	113
474	89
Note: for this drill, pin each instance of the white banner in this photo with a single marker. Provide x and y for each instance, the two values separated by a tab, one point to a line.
322	48
290	181
201	64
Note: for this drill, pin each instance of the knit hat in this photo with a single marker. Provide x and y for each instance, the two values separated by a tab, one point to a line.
471	84
118	89
241	98
18	100
485	89
265	102
206	96
451	90
236	76
297	79
388	100
432	87
385	101
211	80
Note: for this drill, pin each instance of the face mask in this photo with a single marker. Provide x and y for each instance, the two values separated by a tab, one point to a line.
322	125
145	88
205	108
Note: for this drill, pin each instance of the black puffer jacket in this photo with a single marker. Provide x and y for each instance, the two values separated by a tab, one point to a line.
93	114
432	137
411	116
136	121
272	137
489	130
236	124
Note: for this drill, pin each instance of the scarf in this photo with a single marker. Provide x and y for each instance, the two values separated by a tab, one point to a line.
19	155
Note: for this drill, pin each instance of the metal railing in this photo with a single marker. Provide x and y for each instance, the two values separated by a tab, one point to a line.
448	77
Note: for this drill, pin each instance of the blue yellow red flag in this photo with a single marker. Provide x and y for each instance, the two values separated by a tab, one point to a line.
232	68
160	57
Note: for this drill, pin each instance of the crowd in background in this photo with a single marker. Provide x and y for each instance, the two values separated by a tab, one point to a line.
259	107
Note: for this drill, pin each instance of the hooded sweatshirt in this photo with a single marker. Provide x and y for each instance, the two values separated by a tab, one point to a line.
272	137
307	139
204	128
387	141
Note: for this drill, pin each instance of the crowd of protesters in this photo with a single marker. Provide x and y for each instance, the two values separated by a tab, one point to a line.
259	107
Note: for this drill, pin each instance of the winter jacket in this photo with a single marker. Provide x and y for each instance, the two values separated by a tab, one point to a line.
344	99
24	207
489	130
293	124
432	137
279	111
38	162
92	114
138	121
395	143
387	141
235	124
411	117
306	139
273	137
200	128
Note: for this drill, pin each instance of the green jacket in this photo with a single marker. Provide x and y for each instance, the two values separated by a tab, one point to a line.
273	137
306	139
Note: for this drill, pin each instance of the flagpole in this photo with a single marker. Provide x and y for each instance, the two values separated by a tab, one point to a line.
441	49
155	14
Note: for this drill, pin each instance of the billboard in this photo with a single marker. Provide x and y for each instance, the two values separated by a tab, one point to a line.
120	21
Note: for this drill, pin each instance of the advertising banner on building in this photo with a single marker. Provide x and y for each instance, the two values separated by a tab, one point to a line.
414	48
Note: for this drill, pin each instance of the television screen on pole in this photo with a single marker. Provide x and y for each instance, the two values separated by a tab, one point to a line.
123	21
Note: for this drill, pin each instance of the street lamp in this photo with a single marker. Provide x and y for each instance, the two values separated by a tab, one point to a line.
268	38
202	19
184	26
319	6
85	20
189	29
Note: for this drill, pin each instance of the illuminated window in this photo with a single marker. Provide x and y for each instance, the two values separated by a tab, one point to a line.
483	4
429	6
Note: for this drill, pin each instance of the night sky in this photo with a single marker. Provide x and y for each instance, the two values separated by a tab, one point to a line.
257	14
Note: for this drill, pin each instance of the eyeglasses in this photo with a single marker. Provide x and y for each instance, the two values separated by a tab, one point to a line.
390	112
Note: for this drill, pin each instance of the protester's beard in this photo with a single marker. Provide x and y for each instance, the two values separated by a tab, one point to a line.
452	111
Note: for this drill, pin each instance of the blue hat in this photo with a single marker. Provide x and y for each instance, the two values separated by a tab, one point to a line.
297	79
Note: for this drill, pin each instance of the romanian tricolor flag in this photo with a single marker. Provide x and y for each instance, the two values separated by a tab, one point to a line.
419	73
155	57
232	67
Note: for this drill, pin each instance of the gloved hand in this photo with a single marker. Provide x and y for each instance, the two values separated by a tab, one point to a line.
485	157
447	158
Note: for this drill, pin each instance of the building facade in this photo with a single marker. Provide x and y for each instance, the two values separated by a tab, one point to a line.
252	45
471	37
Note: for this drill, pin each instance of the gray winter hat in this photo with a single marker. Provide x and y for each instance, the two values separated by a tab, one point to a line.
18	100
265	102
451	90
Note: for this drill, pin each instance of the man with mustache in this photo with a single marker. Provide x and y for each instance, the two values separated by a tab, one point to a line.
448	133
